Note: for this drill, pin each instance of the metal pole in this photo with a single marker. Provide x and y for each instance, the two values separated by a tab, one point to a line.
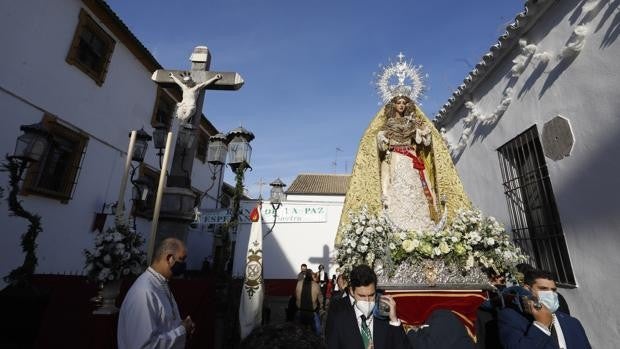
120	205
160	193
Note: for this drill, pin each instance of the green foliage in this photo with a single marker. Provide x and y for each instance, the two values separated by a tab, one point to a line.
23	273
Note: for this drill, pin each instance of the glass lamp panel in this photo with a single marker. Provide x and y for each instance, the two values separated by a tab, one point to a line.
217	152
139	150
159	136
240	152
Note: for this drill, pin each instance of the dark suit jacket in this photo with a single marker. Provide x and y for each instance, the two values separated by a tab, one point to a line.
517	331
342	332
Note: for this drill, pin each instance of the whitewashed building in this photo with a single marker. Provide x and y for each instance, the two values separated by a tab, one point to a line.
534	133
75	66
305	229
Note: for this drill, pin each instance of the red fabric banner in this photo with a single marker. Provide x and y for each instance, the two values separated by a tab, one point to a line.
414	306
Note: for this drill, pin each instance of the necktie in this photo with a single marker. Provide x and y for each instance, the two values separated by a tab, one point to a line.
366	334
554	334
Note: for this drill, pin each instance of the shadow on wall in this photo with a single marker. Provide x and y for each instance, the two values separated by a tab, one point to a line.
274	257
610	36
614	28
323	259
594	183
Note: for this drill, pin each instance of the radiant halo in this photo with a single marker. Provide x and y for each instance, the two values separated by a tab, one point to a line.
400	79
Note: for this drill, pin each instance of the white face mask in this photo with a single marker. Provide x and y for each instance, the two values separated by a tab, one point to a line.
549	299
365	307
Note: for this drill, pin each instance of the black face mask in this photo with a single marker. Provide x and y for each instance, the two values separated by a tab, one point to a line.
178	268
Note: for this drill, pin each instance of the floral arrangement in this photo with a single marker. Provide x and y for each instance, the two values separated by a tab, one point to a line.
471	240
116	254
364	240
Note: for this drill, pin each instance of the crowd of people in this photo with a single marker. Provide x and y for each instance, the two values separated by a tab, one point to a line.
349	311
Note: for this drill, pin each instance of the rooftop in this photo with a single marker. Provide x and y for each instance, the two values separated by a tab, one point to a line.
320	184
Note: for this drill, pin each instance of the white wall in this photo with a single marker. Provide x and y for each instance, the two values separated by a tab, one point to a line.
585	184
36	36
291	244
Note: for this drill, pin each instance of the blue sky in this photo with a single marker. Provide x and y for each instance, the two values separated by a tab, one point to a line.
308	65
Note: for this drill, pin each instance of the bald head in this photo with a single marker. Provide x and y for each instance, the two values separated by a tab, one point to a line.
169	246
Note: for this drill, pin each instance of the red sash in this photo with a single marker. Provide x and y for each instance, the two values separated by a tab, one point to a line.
418	164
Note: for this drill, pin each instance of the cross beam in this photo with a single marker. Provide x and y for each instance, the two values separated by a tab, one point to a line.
230	81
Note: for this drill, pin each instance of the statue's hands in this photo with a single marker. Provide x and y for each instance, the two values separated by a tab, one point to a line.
218	76
171	75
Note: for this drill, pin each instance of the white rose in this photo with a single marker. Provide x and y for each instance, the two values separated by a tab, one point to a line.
490	241
415	243
436	251
408	246
365	240
379	229
392	246
362	248
402	235
370	230
444	248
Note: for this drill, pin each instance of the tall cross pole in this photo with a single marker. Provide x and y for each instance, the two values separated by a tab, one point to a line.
178	198
260	184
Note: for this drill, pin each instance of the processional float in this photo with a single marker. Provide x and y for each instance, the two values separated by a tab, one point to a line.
406	213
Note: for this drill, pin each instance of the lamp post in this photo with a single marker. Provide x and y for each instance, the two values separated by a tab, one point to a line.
29	147
216	158
138	144
239	153
276	197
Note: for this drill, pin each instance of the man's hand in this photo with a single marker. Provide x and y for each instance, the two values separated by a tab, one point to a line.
189	325
389	300
542	315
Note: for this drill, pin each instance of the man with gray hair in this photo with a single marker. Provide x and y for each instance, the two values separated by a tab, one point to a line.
149	316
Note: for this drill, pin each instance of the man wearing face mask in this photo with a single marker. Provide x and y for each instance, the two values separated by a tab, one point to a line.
540	325
149	316
350	320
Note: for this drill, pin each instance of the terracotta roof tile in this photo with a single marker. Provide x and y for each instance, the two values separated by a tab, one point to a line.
320	184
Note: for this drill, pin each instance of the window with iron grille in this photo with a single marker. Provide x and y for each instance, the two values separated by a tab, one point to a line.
56	174
533	212
91	48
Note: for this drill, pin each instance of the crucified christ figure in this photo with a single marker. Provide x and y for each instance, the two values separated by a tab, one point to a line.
187	107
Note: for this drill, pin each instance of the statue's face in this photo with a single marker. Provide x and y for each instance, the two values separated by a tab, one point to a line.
400	105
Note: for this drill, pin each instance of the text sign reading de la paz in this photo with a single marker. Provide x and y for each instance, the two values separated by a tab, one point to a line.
292	214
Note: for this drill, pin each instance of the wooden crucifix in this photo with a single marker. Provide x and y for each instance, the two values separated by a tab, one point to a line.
193	84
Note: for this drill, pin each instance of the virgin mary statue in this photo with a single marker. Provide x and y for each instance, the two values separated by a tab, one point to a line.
403	169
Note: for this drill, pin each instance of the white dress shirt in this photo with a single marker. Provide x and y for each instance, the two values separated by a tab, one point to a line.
558	330
149	316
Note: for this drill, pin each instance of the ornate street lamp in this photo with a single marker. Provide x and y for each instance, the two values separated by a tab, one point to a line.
159	139
142	143
277	194
239	148
31	145
276	198
218	149
216	158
